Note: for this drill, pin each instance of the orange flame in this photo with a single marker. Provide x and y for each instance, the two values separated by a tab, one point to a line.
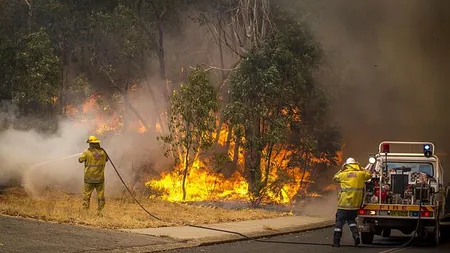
91	114
201	185
284	182
104	119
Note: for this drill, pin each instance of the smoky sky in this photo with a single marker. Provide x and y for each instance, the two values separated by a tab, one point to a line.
390	70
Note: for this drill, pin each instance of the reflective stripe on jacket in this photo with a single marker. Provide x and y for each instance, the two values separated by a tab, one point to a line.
94	165
352	179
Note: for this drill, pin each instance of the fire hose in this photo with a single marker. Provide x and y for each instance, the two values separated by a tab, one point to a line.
418	219
262	240
240	234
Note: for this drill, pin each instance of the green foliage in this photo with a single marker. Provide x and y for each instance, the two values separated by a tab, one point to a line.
192	120
80	85
120	30
220	161
37	70
12	28
7	55
192	113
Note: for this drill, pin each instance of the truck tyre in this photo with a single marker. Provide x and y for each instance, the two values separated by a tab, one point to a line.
435	237
367	237
386	232
445	233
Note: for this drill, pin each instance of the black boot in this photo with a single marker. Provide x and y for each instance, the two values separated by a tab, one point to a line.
337	239
355	234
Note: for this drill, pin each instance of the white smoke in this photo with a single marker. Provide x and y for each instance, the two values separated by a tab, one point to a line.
42	161
19	150
324	206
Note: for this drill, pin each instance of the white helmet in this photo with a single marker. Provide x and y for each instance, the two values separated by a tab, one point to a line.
350	160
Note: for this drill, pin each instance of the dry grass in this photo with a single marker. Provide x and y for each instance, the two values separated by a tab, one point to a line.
119	213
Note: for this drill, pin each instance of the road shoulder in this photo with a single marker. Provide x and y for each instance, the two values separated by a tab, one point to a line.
255	229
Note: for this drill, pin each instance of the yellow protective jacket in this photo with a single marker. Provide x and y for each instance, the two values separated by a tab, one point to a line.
94	160
352	179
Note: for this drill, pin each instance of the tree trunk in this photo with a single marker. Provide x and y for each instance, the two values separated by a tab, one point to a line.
156	107
127	102
186	167
161	55
219	129
126	116
229	134
222	63
237	143
305	169
253	157
63	80
30	15
269	160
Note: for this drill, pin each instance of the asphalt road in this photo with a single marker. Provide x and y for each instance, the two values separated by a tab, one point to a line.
22	235
382	245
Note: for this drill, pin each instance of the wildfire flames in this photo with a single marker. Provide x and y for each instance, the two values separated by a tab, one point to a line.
101	119
203	182
201	185
93	114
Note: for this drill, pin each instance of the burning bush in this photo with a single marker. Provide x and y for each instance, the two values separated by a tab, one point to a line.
192	122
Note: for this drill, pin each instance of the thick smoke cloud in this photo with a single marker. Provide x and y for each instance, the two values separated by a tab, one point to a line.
389	70
41	162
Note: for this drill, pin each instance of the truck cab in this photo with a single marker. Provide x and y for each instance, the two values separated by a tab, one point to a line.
406	192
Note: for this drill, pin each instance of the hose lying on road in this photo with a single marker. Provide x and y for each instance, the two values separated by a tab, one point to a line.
240	234
262	240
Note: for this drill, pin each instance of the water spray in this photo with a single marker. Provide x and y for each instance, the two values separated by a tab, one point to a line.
28	174
55	160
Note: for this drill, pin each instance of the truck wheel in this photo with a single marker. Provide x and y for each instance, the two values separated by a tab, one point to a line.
367	237
435	237
445	233
386	232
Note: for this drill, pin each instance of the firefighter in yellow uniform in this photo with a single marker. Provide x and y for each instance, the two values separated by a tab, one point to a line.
94	159
352	178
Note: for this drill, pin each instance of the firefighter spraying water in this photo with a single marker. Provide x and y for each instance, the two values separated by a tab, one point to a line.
94	159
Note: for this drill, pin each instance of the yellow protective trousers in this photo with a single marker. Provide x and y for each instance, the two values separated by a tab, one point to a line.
88	189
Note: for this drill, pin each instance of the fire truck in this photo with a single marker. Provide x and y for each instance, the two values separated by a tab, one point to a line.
406	193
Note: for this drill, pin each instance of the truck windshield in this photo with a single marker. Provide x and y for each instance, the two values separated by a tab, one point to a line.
426	168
